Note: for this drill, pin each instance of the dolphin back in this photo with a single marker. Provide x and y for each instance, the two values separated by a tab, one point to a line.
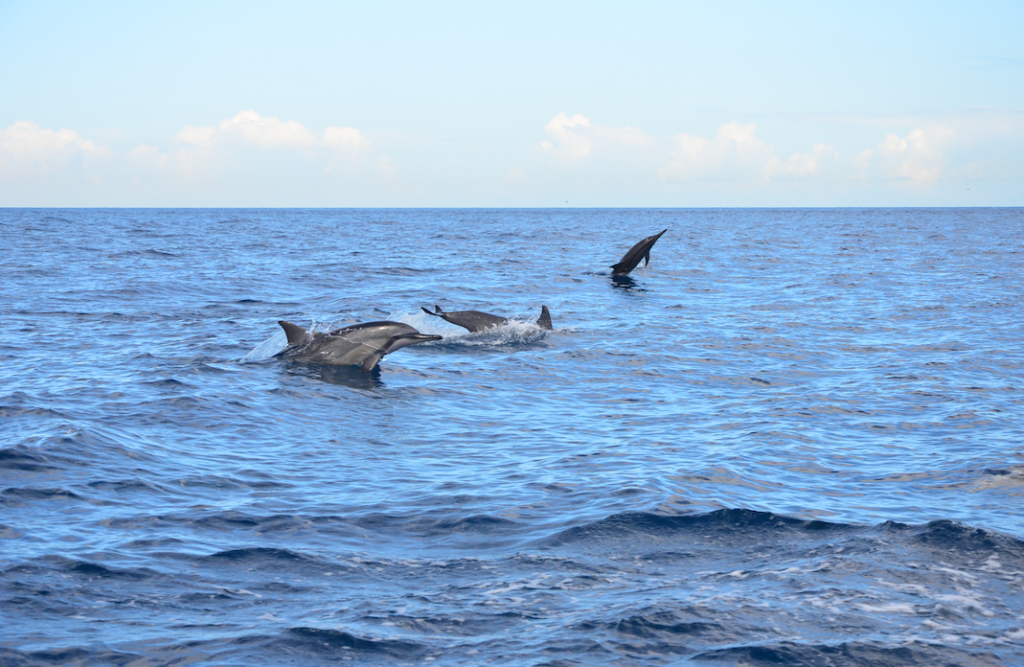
473	320
361	345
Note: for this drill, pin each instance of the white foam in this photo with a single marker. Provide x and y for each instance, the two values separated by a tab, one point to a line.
958	574
966	602
888	608
512	332
279	341
267	348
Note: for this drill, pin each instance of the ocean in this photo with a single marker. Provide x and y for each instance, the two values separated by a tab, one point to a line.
794	438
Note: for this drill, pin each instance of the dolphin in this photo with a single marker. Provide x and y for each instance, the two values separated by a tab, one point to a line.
641	250
362	345
476	321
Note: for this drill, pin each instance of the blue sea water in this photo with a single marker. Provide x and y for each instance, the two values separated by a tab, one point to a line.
794	438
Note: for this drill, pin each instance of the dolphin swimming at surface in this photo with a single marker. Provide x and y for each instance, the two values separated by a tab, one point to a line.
362	345
641	250
476	321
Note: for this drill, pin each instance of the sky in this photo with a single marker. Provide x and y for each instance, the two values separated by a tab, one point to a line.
525	104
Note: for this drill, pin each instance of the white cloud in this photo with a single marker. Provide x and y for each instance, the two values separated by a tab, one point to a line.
800	164
191	134
572	145
733	153
208	150
245	157
918	157
736	155
249	157
250	128
269	132
347	139
25	149
575	137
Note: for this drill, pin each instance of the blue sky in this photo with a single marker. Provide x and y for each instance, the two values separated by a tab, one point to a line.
517	104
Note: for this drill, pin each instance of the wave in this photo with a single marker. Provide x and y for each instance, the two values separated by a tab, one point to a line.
22	458
68	444
83	568
18	496
15	411
261	555
848	654
235	521
67	656
648	533
125	485
318	641
149	252
945	535
663	624
431	527
733	524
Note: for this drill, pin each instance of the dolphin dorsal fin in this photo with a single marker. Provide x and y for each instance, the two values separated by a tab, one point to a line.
295	333
544	321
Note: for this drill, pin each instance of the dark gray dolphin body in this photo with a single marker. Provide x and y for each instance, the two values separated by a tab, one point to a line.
362	345
476	321
641	250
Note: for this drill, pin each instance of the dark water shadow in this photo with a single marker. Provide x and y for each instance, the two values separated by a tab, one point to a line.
351	376
348	376
626	283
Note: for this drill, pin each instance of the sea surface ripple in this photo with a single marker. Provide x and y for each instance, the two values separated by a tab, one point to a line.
794	438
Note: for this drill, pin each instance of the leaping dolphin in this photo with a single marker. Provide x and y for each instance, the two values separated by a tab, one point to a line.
476	321
362	345
641	250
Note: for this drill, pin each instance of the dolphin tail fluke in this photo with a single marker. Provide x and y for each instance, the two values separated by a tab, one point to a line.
544	321
295	333
620	268
424	309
